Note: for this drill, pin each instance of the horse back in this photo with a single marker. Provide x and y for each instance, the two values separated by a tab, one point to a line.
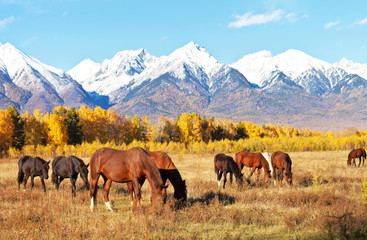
122	165
162	160
25	164
281	160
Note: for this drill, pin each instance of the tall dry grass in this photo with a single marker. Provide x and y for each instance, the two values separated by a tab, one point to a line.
332	208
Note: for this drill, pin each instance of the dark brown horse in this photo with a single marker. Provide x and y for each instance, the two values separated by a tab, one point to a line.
224	164
69	167
254	160
356	153
167	170
281	161
133	165
32	167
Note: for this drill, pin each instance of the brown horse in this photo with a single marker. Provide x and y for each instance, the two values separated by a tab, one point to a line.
224	164
255	160
356	153
167	170
281	161
32	167
133	165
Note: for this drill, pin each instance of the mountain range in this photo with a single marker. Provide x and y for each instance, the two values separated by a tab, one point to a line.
290	88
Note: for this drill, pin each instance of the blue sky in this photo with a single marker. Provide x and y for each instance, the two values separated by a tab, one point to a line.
62	33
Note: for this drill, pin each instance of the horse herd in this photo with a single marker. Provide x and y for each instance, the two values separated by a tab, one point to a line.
136	165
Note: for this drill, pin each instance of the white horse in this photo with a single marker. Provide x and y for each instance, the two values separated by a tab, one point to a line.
267	156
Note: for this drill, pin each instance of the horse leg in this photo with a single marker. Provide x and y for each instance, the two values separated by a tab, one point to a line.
43	184
25	181
224	179
106	191
73	188
32	181
93	190
136	187
360	160
219	177
130	188
275	175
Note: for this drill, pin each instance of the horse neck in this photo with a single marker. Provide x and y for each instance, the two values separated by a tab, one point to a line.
174	177
235	169
264	164
155	180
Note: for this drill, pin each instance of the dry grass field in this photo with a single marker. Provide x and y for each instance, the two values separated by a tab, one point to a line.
325	203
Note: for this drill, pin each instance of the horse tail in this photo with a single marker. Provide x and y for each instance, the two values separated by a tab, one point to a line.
53	176
20	171
20	176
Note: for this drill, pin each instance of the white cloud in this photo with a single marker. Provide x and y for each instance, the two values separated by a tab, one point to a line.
6	21
331	24
293	17
249	19
362	22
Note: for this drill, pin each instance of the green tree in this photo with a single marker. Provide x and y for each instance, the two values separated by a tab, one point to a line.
18	135
73	127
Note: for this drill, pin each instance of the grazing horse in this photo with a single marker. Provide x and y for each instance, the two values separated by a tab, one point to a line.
167	170
33	167
281	161
133	165
356	153
224	164
69	167
255	160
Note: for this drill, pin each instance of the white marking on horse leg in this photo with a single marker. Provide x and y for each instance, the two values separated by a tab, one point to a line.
131	203
108	206
219	184
275	182
92	204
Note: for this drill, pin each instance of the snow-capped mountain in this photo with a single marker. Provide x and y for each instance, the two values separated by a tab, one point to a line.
259	87
47	87
112	74
352	67
317	77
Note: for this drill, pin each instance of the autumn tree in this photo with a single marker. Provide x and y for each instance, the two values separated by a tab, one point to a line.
6	130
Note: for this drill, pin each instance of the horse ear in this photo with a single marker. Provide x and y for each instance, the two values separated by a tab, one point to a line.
48	162
86	166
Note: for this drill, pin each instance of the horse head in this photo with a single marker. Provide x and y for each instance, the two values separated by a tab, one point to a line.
160	197
288	177
181	193
239	180
45	166
84	175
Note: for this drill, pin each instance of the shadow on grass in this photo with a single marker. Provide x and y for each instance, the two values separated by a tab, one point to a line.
211	196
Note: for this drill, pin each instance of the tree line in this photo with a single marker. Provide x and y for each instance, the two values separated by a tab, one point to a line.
68	126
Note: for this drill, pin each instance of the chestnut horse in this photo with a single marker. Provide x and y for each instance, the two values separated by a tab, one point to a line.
356	153
167	170
32	167
255	160
133	165
281	161
224	164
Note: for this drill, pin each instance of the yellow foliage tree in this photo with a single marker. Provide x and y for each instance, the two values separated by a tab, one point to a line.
6	130
57	134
